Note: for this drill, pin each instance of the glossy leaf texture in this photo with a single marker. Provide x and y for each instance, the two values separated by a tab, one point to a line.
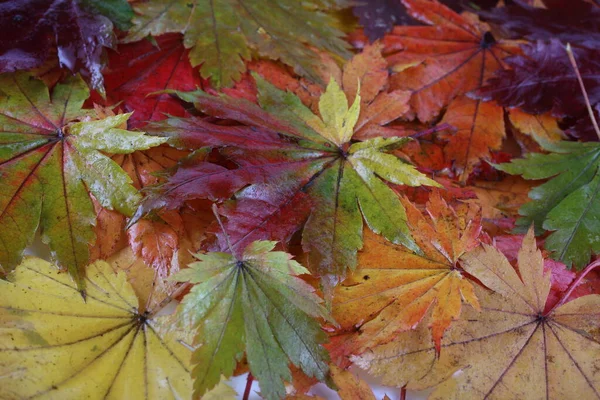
567	203
255	305
33	29
137	71
293	160
394	288
56	345
223	35
536	353
52	157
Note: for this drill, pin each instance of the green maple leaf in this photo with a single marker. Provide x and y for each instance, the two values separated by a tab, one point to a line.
257	305
568	203
52	156
222	33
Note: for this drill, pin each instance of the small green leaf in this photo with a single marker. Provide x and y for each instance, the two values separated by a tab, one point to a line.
255	305
566	203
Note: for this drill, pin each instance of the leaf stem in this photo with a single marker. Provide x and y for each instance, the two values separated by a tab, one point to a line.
575	283
176	293
216	212
582	86
437	128
249	381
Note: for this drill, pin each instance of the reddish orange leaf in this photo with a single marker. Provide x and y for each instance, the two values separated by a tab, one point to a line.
479	128
437	63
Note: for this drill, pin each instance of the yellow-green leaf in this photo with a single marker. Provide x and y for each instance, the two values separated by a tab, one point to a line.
55	345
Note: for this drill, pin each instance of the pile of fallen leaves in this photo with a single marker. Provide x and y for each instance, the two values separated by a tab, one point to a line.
408	187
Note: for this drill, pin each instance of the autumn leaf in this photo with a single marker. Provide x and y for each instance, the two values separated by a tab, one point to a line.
479	128
437	63
32	28
254	305
541	127
155	240
223	35
574	22
135	71
378	17
394	288
51	154
501	199
511	349
55	344
543	80
294	159
566	203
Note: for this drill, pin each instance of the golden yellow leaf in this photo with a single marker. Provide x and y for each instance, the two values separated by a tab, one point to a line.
542	127
55	345
513	349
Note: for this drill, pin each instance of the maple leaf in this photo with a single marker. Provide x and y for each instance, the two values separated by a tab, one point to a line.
155	241
576	22
543	80
223	33
135	71
294	159
51	155
479	128
31	28
535	353
437	63
53	343
541	127
254	304
394	287
378	17
567	202
501	199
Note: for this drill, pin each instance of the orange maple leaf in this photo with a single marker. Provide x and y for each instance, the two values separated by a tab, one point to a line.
437	63
394	287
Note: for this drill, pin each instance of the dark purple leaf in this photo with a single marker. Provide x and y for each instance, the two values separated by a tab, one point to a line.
571	21
379	16
29	29
542	80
